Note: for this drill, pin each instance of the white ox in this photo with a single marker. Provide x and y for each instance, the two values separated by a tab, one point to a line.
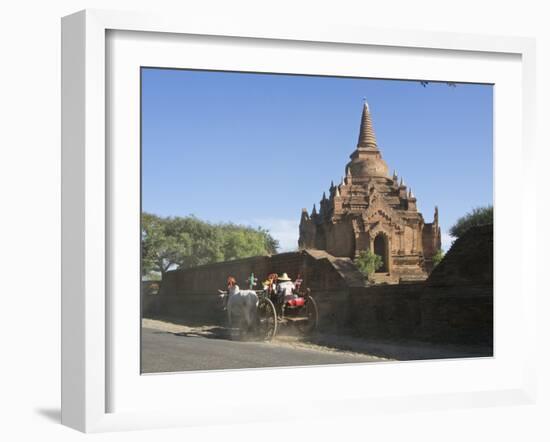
242	304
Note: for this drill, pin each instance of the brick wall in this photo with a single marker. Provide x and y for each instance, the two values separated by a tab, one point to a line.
454	315
317	271
451	314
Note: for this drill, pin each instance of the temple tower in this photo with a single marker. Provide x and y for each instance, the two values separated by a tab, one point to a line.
372	210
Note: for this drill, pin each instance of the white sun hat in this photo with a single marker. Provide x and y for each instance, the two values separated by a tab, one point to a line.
284	277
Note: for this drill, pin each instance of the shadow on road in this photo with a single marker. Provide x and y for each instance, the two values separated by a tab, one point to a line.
210	333
337	341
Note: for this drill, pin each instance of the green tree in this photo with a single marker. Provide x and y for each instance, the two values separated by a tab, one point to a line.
438	257
204	240
186	242
368	262
477	217
241	241
163	245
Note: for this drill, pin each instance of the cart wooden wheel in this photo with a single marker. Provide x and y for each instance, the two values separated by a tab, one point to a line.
312	314
267	320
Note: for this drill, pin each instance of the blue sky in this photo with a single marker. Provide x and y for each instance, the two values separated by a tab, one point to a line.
256	148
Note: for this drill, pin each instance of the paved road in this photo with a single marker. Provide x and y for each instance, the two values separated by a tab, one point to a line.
164	351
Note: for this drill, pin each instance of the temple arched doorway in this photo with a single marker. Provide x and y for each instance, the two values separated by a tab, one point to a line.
381	249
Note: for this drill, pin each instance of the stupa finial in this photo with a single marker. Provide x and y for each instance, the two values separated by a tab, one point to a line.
367	139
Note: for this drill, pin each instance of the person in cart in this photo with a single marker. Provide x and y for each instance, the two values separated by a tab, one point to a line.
285	288
270	285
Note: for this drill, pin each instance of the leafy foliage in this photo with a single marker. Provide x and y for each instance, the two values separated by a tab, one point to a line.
477	217
368	262
167	243
438	257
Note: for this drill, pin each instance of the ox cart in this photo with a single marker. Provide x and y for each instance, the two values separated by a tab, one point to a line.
274	312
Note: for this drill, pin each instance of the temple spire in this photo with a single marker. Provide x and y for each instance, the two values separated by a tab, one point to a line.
367	139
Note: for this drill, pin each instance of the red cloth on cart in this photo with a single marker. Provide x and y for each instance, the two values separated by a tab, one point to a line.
296	302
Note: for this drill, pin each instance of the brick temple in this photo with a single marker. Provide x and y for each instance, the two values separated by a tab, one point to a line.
372	210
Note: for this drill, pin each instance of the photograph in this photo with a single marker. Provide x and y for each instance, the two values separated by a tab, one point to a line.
304	220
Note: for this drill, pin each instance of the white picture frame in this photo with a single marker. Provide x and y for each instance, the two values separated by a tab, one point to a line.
87	206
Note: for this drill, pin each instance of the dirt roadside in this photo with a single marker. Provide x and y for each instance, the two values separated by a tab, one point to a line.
283	339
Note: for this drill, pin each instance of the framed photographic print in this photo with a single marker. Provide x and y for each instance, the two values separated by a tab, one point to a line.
291	208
